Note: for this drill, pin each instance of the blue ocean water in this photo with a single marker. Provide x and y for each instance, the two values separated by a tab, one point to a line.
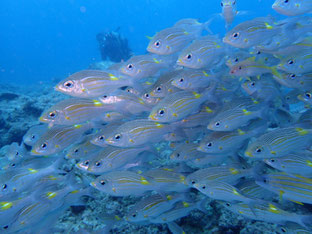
43	40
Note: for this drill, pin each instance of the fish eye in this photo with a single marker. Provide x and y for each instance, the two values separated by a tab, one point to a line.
102	182
272	160
33	137
13	165
117	136
101	138
252	84
44	145
181	80
105	96
209	144
217	124
286	1
240	68
130	66
235	35
222	4
69	84
178	155
97	164
157	43
5	227
146	95
76	151
264	180
86	162
307	95
17	153
204	187
259	149
52	114
228	204
193	182
188	56
258	52
134	215
236	60
234	3
4	186
292	76
161	112
158	88
283	230
290	61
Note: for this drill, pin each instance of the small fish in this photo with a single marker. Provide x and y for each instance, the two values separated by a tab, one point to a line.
186	152
73	111
306	97
99	137
292	7
193	80
250	189
279	142
290	187
202	118
264	89
163	86
236	113
178	106
299	163
59	137
180	210
221	191
252	32
165	179
268	212
296	81
251	67
298	64
83	149
230	142
92	83
202	53
113	158
124	102
123	183
16	153
173	39
137	132
229	11
33	134
142	66
229	174
292	228
152	206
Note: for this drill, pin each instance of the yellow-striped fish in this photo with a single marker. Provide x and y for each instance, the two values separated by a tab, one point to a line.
123	183
279	142
178	106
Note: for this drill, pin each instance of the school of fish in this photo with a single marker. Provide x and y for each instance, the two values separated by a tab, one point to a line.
234	111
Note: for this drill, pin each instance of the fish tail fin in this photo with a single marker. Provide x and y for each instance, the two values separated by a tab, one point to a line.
208	22
201	205
175	228
305	221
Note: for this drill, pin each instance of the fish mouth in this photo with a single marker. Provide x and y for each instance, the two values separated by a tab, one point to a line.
152	117
34	152
274	6
93	184
180	62
247	153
